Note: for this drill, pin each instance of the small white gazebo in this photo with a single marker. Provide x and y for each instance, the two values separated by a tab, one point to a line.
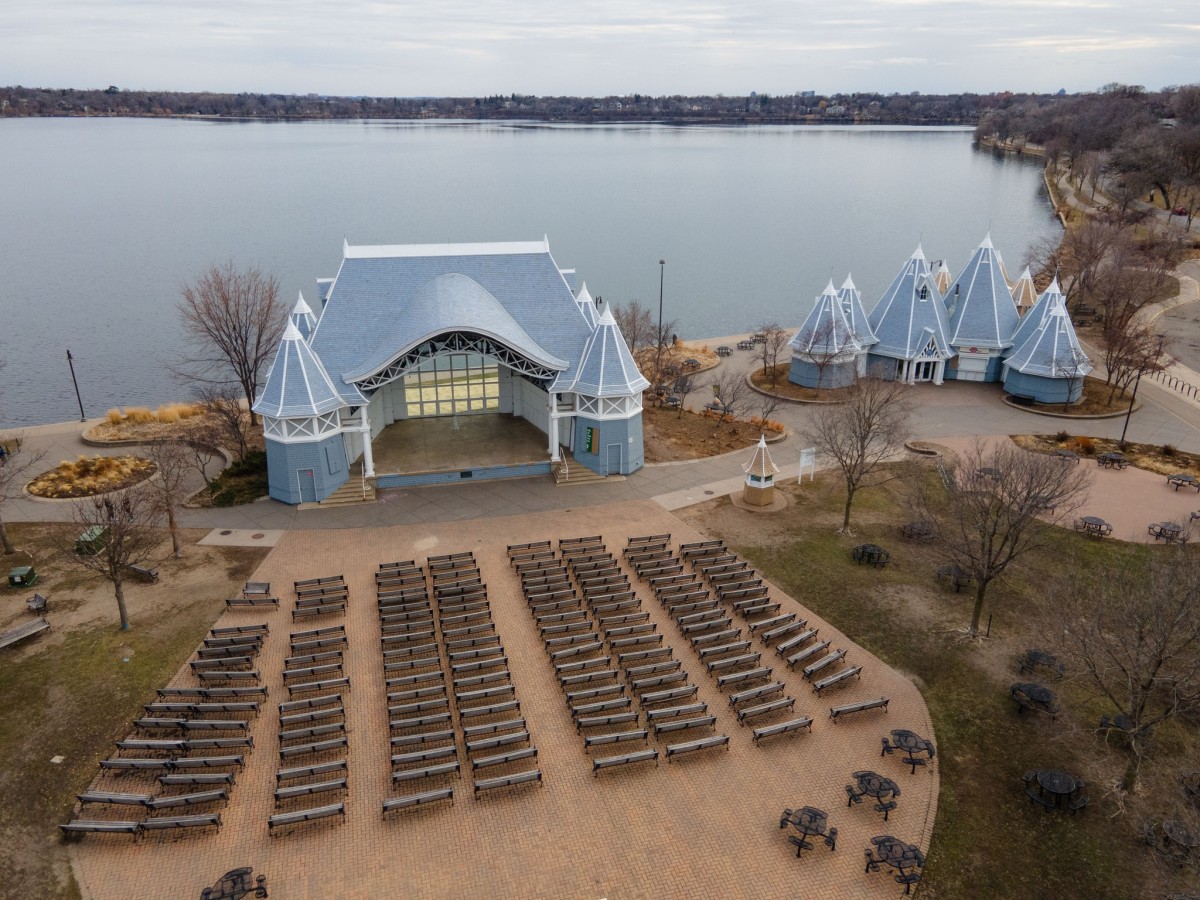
760	472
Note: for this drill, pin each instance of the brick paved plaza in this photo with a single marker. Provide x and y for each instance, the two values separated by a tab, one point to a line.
705	825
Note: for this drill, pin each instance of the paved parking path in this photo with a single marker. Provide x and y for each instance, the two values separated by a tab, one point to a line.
705	826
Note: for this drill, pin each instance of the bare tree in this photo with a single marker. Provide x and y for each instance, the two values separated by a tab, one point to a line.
1134	634
766	405
817	349
862	434
1131	353
684	385
636	324
997	504
173	460
129	520
775	339
204	448
730	394
234	319
16	462
223	405
664	337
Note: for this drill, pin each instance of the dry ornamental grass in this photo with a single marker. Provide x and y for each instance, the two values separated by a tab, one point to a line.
91	475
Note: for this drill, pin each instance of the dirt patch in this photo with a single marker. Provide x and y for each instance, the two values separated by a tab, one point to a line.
1163	459
669	435
784	388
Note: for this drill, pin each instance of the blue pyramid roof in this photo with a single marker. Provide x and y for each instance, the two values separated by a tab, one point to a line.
826	331
980	304
587	305
297	384
910	314
1046	344
851	301
607	368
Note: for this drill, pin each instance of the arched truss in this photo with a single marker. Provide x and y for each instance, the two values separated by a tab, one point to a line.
462	342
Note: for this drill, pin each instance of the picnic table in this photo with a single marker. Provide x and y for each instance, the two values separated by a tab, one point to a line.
910	743
810	822
872	784
1173	838
1034	658
1183	479
1055	789
1093	526
724	350
1067	455
955	575
872	554
1112	460
904	858
235	884
1170	532
745	345
918	530
1036	697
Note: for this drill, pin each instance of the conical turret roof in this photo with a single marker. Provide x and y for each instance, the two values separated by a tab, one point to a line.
606	368
298	384
761	463
826	332
851	301
981	308
910	317
1045	344
587	305
942	276
302	317
1024	294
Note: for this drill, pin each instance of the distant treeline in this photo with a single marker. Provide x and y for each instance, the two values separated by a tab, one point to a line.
864	108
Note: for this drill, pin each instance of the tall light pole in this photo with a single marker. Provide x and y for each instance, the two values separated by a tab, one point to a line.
74	381
662	263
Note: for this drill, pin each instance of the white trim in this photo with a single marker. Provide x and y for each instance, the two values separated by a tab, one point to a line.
382	251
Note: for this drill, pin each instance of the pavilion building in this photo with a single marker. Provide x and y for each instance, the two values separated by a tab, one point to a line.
911	327
447	336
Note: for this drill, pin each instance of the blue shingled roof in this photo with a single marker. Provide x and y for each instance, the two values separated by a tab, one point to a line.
298	384
385	300
910	314
826	332
1045	344
302	317
979	302
607	368
851	301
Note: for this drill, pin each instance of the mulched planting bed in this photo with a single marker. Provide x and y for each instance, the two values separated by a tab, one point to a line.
91	475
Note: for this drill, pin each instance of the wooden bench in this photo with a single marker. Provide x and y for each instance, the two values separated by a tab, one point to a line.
113	798
719	740
614	737
497	741
766	624
715	637
581	665
429	737
489	693
23	632
642	684
745	659
566	681
306	686
750	675
790	628
419	722
668	696
205	820
762	709
196	798
82	826
449	768
706	626
684	724
575	697
621	718
637	540
491	784
316	672
233	602
659	668
807	654
837	712
823	663
475	711
501	759
839	678
235	630
213	692
323	609
490	662
313	715
798	640
623	659
706	615
571	640
319	582
795	725
607	762
420	706
309	703
708	653
600	706
493	727
394	803
195	780
481	680
281	820
208	762
534	545
687	709
314	747
758	693
317	769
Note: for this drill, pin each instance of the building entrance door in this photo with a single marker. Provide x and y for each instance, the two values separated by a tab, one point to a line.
924	371
612	460
307	482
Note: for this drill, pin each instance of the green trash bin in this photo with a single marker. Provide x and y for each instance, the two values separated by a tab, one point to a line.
91	540
22	577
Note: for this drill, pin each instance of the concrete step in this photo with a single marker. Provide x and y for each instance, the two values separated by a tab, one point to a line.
568	471
351	493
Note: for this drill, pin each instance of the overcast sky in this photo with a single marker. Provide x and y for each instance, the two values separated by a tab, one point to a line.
598	47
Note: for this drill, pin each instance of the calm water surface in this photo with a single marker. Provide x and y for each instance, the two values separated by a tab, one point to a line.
104	219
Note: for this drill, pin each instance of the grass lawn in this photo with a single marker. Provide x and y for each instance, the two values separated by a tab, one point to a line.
73	691
989	841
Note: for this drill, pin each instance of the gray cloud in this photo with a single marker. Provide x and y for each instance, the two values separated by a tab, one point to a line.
468	47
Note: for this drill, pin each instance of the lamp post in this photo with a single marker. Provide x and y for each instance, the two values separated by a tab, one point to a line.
74	381
662	263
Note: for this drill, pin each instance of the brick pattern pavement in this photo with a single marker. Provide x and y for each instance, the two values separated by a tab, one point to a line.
706	825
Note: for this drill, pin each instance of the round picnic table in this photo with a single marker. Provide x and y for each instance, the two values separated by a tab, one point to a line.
1036	657
872	784
898	855
1180	835
1093	525
1057	783
1038	693
1112	460
911	743
1182	479
1167	531
870	553
810	822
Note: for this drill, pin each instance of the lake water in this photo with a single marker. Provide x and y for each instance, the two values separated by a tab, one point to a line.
103	220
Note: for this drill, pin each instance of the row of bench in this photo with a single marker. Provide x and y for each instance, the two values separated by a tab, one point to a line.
324	596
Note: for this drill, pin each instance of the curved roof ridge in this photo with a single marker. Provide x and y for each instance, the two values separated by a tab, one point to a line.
451	302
